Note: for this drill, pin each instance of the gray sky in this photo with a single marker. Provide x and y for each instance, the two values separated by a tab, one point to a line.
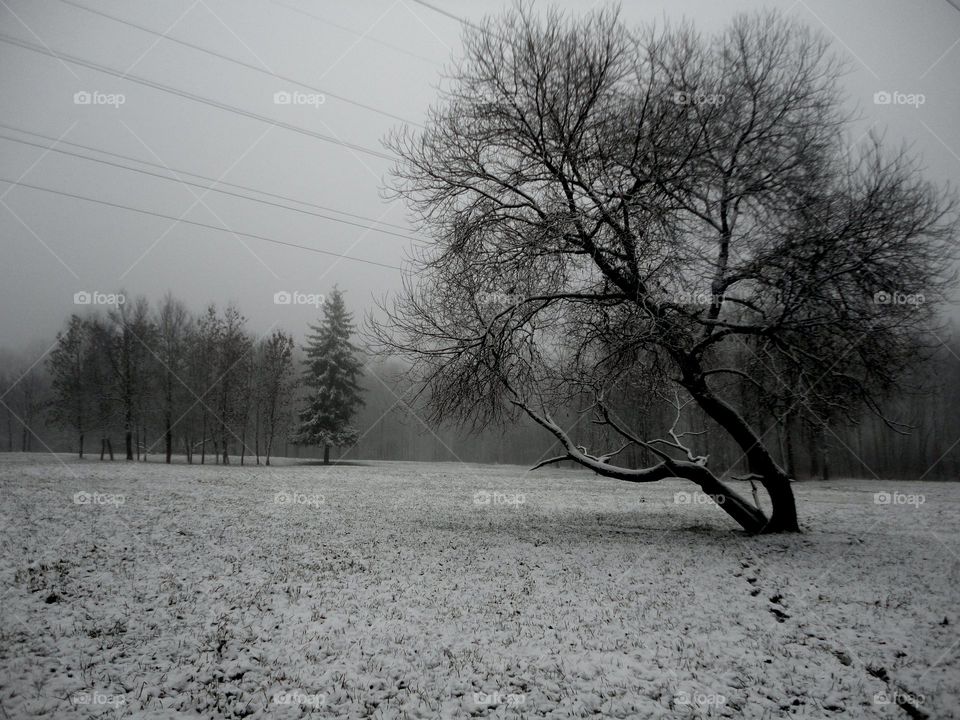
382	53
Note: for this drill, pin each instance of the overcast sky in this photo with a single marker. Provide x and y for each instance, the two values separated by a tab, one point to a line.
385	54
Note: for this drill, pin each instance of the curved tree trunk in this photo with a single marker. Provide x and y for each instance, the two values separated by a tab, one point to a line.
773	478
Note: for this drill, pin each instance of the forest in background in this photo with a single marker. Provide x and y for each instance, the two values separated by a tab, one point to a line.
810	445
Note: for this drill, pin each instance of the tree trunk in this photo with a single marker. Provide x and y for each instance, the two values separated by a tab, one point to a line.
168	437
103	448
824	455
788	446
129	442
812	452
110	448
203	439
326	454
81	446
774	480
256	434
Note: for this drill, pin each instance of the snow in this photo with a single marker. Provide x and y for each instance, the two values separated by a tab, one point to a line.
449	590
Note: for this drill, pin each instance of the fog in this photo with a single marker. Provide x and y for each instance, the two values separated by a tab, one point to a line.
186	109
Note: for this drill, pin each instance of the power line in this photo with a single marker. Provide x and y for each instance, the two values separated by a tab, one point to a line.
462	21
215	181
362	36
198	224
241	63
205	187
190	96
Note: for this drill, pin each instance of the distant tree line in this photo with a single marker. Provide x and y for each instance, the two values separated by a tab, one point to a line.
210	388
167	381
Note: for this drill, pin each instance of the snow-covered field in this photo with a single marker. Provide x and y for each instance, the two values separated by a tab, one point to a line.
444	590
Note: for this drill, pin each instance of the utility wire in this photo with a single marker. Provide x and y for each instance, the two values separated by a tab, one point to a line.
362	36
198	224
10	40
204	187
241	63
215	181
462	21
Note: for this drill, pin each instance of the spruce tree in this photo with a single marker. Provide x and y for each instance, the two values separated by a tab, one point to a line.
330	376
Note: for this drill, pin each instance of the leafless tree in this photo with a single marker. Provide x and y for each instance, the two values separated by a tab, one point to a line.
275	383
612	209
174	324
70	370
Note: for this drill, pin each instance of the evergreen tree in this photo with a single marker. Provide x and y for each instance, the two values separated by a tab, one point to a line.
333	394
72	395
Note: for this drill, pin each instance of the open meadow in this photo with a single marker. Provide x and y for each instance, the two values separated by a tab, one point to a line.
416	590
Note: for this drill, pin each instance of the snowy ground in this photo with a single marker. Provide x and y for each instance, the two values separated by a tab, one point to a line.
444	590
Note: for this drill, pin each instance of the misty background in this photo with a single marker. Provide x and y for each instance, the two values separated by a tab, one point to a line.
365	68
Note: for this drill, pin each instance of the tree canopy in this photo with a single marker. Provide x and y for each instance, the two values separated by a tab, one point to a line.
611	207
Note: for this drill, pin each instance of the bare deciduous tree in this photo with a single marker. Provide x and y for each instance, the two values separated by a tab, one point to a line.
72	401
612	209
275	381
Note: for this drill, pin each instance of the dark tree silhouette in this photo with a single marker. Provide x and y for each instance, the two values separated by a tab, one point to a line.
615	211
72	401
